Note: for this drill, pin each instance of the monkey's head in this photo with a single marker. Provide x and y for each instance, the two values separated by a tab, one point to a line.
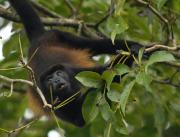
59	81
58	85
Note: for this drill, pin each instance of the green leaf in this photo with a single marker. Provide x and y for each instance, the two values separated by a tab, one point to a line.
89	79
159	115
108	76
108	129
160	3
106	111
159	56
144	79
119	6
140	55
114	93
117	25
1	1
113	36
122	130
121	69
160	119
89	109
125	95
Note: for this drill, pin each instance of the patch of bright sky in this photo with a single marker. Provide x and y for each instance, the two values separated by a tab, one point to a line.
28	114
53	133
5	34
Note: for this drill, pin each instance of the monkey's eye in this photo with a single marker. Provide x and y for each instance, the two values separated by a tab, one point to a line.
49	78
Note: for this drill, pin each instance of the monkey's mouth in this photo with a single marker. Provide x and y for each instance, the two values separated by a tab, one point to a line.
61	86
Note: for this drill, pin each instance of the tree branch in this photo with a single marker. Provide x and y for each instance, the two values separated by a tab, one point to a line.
7	87
107	15
167	82
9	80
156	47
14	132
173	50
173	64
72	8
46	21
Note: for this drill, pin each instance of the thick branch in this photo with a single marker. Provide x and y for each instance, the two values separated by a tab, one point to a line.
47	21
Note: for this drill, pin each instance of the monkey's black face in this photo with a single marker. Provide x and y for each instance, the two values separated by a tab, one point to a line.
58	84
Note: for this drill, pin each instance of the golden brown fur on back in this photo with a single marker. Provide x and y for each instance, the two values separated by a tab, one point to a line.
77	57
60	55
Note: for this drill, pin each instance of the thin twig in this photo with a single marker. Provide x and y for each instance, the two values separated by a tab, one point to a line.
163	47
173	64
72	8
30	70
108	14
79	6
26	65
172	50
85	30
7	87
17	130
167	82
9	80
46	10
173	75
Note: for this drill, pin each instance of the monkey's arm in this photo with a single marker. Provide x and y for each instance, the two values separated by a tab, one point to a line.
98	46
105	46
31	21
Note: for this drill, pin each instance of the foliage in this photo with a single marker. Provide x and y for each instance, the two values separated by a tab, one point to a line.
146	101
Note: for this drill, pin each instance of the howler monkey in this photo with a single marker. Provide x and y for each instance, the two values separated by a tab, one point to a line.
58	56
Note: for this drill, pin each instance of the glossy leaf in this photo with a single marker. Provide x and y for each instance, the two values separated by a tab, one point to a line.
121	69
115	93
90	109
159	56
89	79
160	3
125	95
144	79
108	76
106	111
